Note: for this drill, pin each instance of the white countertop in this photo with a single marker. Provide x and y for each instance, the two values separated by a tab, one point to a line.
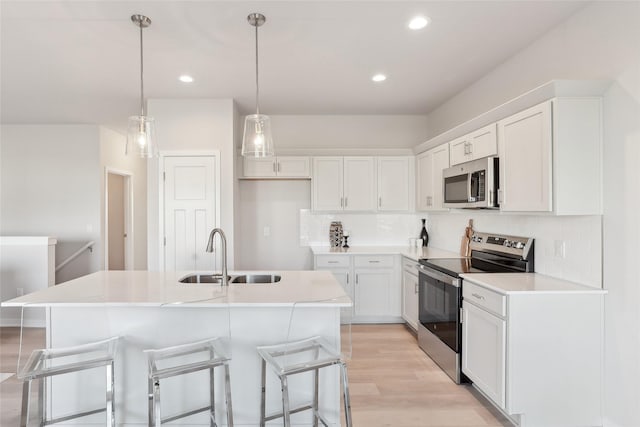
513	283
147	288
409	252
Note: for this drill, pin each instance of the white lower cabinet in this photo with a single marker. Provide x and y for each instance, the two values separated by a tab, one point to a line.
537	355
410	292
372	282
483	361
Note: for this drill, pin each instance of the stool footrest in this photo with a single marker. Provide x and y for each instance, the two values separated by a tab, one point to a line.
185	414
70	417
291	411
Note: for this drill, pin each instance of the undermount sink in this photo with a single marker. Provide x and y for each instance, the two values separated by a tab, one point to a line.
256	278
243	278
203	278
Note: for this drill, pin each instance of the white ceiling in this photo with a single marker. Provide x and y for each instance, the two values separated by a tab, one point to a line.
78	62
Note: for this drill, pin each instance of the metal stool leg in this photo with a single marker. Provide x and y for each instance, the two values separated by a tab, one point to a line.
227	389
111	414
42	412
212	399
347	401
263	394
316	378
156	404
150	396
26	399
285	401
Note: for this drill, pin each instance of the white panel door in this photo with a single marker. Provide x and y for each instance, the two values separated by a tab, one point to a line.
359	184
410	299
424	180
483	142
326	184
189	212
393	183
525	160
460	151
293	167
372	293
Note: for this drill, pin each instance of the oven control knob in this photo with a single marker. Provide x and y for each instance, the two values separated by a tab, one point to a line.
507	243
518	245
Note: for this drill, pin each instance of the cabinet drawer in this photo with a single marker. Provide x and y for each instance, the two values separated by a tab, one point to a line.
482	297
410	266
332	261
374	261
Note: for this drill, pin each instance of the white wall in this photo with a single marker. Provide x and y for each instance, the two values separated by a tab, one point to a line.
621	253
598	42
276	205
50	186
347	131
188	125
112	147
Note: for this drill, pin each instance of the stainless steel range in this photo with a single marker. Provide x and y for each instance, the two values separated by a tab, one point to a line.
440	292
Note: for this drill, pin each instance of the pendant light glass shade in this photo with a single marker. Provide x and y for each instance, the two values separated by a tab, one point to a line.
141	131
257	140
141	136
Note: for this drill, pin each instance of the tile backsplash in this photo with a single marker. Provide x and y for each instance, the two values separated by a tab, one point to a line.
567	247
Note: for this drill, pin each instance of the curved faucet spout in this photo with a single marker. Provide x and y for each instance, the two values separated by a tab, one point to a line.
223	239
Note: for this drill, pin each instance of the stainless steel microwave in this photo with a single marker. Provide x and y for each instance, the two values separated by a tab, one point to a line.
472	185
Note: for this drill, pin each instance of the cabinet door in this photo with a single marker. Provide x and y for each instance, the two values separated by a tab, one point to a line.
326	184
393	183
439	162
293	167
524	140
372	292
359	184
483	142
484	351
459	150
424	181
342	276
410	299
259	167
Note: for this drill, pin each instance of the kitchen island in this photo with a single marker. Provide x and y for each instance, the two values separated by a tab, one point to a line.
153	309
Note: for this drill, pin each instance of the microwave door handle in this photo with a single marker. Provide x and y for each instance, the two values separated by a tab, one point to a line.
469	180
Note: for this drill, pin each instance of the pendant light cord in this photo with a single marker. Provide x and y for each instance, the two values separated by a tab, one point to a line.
141	75
257	84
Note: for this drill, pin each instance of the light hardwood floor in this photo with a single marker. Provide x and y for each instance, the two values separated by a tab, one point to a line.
392	382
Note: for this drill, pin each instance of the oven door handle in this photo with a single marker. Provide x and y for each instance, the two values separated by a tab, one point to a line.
453	281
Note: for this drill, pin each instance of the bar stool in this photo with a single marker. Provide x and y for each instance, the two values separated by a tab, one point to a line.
215	357
47	363
296	357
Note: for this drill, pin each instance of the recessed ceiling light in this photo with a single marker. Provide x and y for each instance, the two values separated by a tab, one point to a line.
379	78
418	22
185	78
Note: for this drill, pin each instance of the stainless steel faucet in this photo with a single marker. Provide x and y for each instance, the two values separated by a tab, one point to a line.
223	239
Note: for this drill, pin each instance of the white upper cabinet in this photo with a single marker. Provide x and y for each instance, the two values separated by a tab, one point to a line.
394	178
429	166
277	167
359	184
550	158
343	183
475	145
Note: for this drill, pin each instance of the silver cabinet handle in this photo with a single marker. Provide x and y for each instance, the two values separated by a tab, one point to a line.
341	202
347	278
278	166
415	290
356	279
500	196
477	296
379	202
373	261
346	202
470	148
332	262
274	167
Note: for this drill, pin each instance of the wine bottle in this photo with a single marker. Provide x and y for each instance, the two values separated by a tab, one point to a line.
423	233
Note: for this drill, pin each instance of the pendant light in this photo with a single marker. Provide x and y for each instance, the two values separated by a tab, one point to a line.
257	141
141	131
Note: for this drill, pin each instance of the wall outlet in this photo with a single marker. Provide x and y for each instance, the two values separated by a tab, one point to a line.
266	231
19	292
559	248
